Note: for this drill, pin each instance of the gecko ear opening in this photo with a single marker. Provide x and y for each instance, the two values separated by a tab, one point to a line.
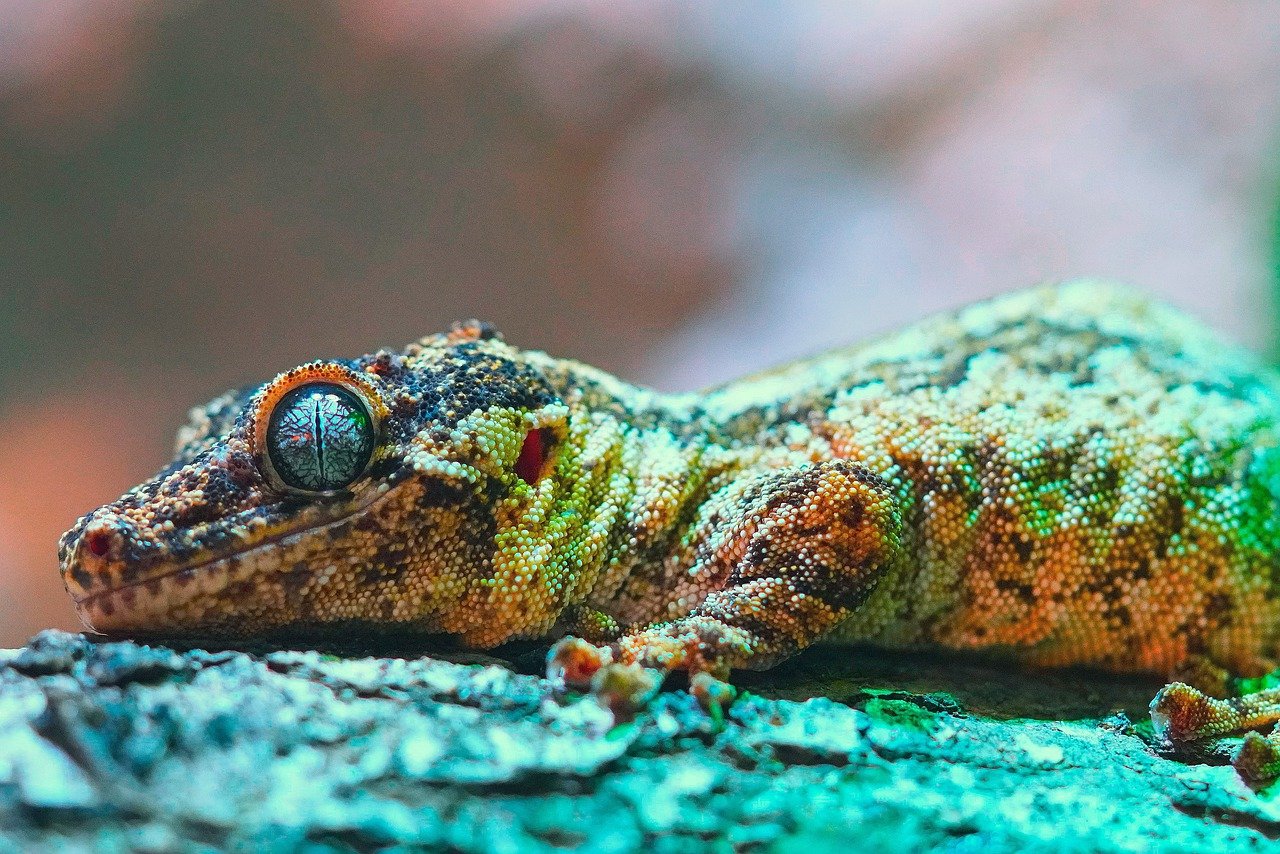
534	453
548	426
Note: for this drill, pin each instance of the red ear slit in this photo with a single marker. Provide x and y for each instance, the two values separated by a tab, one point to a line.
533	454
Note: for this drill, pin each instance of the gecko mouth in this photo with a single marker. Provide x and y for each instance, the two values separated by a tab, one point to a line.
148	604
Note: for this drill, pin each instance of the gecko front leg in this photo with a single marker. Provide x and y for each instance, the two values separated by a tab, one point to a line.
803	548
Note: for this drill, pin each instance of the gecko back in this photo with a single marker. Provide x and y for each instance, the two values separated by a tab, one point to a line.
1086	476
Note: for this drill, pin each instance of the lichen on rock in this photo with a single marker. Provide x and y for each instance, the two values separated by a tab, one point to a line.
121	746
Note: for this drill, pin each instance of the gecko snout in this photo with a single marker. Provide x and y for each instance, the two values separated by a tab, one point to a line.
95	558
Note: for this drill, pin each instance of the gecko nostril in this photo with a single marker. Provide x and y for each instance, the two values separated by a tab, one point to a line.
105	538
98	542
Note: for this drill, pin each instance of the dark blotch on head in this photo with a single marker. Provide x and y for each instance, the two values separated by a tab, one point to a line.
462	379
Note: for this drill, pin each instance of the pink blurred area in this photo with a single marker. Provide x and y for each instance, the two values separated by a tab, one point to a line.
195	196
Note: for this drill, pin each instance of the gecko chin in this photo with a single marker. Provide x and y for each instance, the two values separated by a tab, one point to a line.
322	566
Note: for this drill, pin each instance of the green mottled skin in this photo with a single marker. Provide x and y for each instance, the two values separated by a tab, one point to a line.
1069	475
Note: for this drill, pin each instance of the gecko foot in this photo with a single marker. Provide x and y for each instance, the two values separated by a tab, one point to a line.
1257	759
623	689
1181	714
626	687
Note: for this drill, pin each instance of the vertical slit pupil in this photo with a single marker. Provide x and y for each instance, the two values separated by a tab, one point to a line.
319	434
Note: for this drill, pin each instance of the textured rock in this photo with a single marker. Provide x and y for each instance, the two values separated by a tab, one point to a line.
118	746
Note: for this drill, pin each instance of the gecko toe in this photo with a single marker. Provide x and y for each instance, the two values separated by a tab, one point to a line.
573	662
625	689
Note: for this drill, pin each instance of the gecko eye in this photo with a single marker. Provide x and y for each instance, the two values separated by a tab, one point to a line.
320	437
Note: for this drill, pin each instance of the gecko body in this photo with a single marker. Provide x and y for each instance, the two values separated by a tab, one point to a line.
1072	474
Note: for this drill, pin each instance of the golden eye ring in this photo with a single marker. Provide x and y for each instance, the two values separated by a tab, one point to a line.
316	429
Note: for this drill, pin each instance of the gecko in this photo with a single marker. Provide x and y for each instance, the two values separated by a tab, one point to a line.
1073	474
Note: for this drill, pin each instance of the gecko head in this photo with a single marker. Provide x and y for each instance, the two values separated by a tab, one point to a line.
408	489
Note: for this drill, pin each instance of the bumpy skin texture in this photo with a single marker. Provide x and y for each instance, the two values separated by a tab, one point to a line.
1069	475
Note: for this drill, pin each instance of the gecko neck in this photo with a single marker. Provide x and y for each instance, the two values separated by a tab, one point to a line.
650	468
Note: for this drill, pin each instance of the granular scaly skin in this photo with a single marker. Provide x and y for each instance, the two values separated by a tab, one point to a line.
1068	475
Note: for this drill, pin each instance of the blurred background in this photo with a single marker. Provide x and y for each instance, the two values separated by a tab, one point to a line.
195	195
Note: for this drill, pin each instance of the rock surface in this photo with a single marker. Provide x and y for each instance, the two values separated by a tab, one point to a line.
116	746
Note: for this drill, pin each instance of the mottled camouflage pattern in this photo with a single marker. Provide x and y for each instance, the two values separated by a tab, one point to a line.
1071	474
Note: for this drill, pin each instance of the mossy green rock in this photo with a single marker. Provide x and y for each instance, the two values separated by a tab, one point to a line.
123	747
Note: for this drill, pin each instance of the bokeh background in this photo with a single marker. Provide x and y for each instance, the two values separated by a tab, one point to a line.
194	195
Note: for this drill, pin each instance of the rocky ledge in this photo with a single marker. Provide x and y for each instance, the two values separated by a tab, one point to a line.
117	746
